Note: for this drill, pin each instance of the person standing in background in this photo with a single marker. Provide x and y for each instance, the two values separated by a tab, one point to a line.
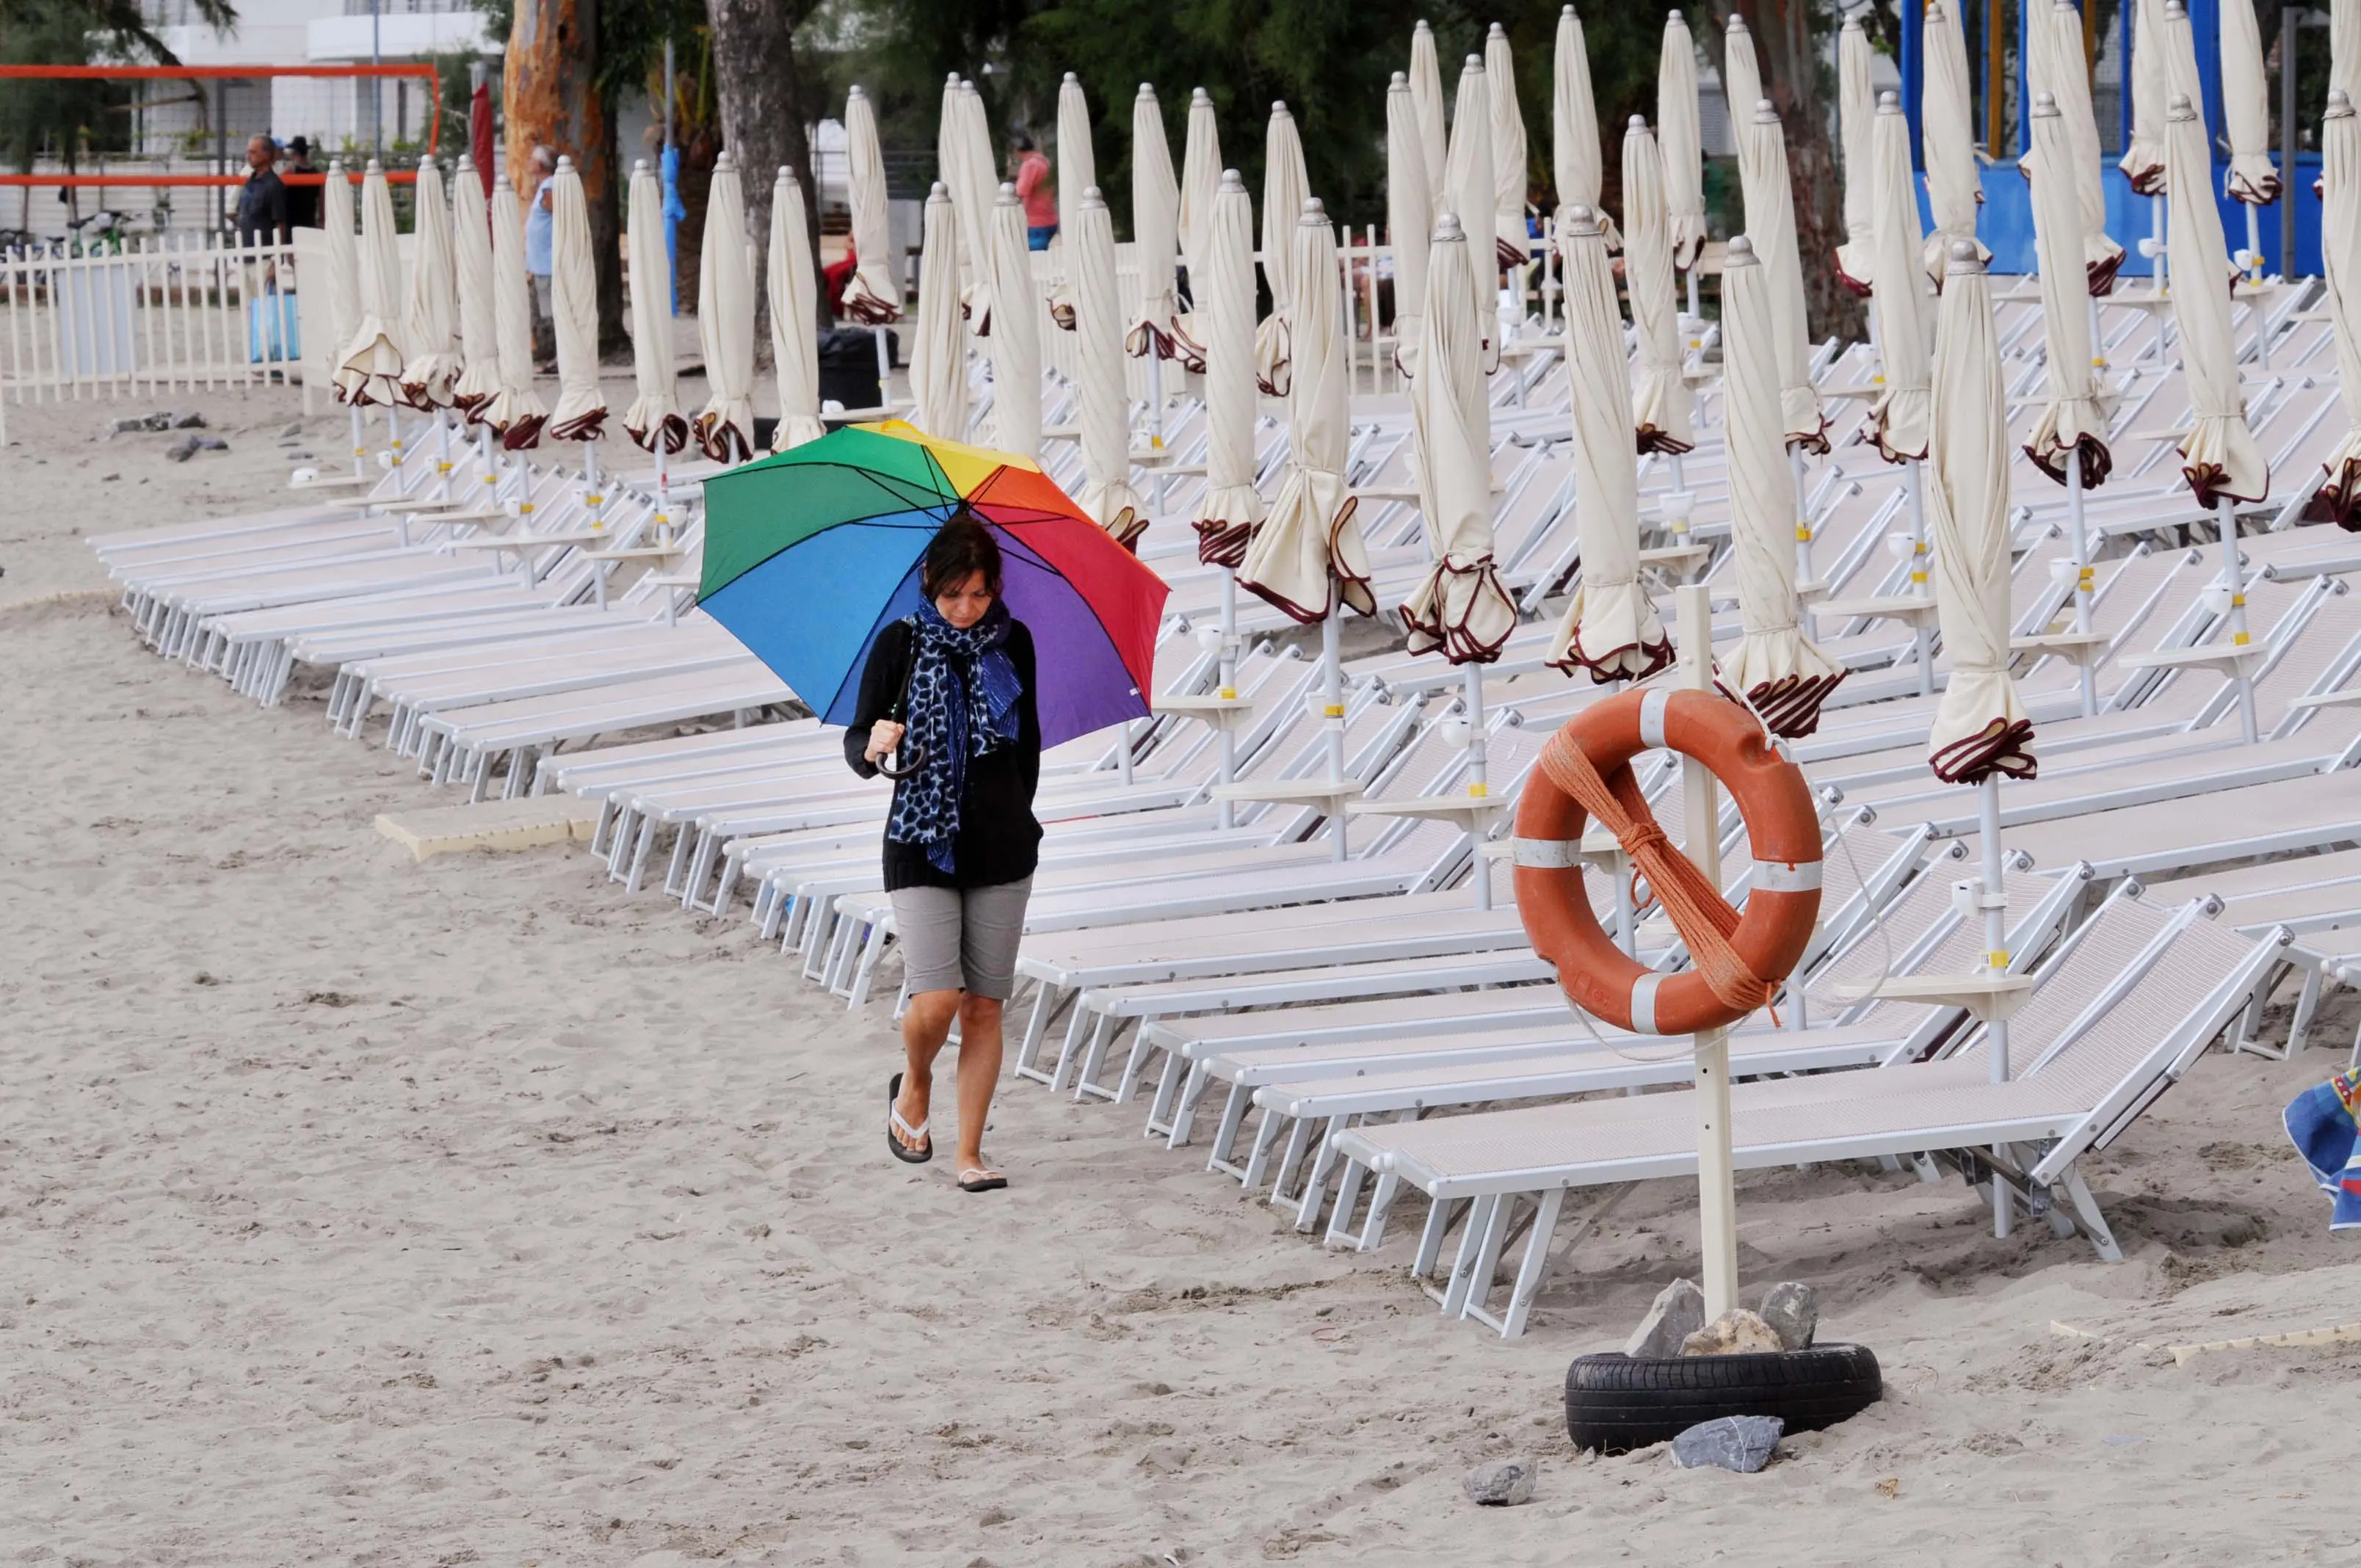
262	200
538	219
1029	166
302	200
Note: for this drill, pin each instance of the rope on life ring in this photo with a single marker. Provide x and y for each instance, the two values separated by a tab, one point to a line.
1738	960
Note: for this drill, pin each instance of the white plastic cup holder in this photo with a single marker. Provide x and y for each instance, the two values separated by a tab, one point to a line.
1901	546
1458	733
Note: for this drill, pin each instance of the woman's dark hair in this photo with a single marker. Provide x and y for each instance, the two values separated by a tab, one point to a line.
1021	142
960	549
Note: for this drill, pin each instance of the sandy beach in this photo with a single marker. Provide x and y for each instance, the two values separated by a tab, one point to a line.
354	1210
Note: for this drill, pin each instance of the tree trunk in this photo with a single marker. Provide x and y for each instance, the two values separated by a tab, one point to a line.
763	119
551	97
1791	65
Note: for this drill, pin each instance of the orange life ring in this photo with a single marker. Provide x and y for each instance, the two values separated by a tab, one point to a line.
1756	950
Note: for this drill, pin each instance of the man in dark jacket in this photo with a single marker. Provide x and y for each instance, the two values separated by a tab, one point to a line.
262	202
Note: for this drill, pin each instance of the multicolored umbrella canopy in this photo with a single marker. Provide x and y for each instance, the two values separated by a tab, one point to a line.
810	554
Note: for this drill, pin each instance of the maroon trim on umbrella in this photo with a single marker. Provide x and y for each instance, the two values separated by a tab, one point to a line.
521	433
2000	747
1456	643
1859	288
1221	543
1350	589
2103	274
721	440
582	427
1659	655
1790	705
2096	460
1875	430
1653	439
1815	443
2338	499
672	429
2211	482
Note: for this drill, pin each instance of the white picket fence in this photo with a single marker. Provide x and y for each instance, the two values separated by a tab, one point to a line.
167	313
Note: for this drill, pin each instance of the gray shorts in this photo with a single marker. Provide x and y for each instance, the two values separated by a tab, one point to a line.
962	939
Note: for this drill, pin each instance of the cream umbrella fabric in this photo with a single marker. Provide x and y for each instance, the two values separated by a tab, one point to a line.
980	176
654	420
1681	140
1201	179
1466	192
2219	456
479	332
1410	216
1107	495
952	165
725	319
1155	230
1781	671
1509	150
1948	142
2070	427
369	369
581	411
1741	75
342	283
2245	107
872	296
2057	67
1311	541
1856	128
2345	48
1980	728
2143	158
1285	185
939	352
1898	419
428	332
1771	224
794	291
1461	608
514	412
1015	333
1576	163
1610	628
1078	158
1231	508
1662	407
2338	499
1426	97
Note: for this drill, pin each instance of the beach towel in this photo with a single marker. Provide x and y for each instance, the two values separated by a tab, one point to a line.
2321	1122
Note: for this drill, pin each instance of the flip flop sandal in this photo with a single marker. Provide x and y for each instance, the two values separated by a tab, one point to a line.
974	1178
893	1123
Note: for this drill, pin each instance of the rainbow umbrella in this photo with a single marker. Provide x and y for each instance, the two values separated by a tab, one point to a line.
810	554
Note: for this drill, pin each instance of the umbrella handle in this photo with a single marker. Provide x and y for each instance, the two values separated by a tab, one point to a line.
917	759
917	753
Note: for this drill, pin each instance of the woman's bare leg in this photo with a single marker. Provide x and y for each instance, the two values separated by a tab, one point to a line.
979	1074
925	1023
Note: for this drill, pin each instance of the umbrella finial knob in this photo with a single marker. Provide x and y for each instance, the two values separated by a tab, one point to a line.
1741	253
2180	108
639	166
940	193
1092	197
1737	23
2174	11
1637	125
564	162
723	159
1765	112
1583	221
1475	63
1500	32
785	176
1964	259
2339	101
1148	91
373	167
1447	227
1889	102
1421	26
1279	108
1007	193
1400	83
2045	103
1313	211
855	92
1231	180
1199	96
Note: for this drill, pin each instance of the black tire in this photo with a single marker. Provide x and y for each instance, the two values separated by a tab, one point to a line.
1616	1403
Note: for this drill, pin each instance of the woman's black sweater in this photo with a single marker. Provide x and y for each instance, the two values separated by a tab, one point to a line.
998	839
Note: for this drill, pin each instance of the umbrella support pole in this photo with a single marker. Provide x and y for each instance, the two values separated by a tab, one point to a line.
1229	688
2226	514
1804	581
393	434
2255	276
1695	313
360	442
2163	275
595	502
1717	1196
1920	636
2078	540
1478	787
884	369
1994	900
662	521
442	455
1155	422
1332	707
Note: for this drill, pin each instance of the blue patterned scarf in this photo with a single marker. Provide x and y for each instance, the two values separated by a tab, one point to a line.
962	704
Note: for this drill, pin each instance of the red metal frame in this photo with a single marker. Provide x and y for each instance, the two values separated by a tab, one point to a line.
410	69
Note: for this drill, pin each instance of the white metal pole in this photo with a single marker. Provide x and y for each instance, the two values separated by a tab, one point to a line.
663	503
1920	636
360	442
2163	271
1994	900
1478	786
1332	707
2254	277
1229	667
1716	1198
443	453
2226	514
1804	581
885	367
2077	541
1156	421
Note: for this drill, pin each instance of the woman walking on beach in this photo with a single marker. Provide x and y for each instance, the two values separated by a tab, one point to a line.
950	688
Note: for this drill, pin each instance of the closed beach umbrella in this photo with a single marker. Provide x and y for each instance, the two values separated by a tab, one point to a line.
1508	148
1078	158
654	420
872	296
1979	728
2245	107
515	414
2143	158
370	368
1285	185
2338	499
1426	97
1856	125
1466	193
1107	494
938	354
980	176
1662	407
1309	553
1741	75
471	247
1948	142
1611	628
433	362
573	310
794	306
1227	515
1783	673
954	166
1574	160
2219	456
1155	229
2070	427
343	287
1016	332
1410	216
725	320
2345	48
1201	179
2057	67
1461	610
1897	419
1771	224
1680	139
